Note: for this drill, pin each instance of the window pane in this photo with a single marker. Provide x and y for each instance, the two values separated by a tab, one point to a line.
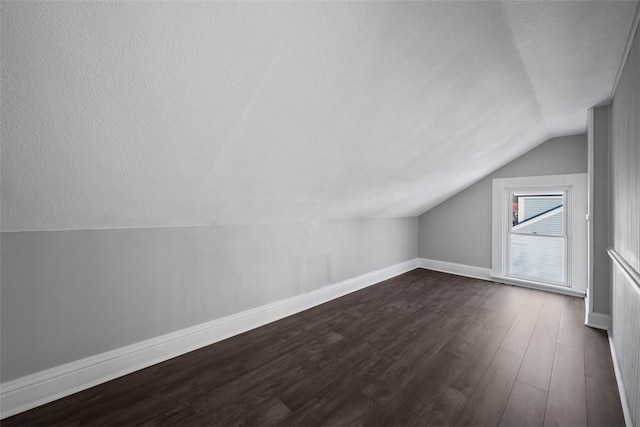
538	214
537	257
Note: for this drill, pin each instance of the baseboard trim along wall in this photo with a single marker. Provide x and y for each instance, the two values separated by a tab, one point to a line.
595	319
46	386
626	410
454	268
598	320
540	286
485	274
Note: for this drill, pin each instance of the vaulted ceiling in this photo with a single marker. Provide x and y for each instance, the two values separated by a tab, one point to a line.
137	114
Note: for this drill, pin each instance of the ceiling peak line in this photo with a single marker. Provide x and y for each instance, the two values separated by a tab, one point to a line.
521	61
242	117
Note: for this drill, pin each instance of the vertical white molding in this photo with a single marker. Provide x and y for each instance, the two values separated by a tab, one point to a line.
590	194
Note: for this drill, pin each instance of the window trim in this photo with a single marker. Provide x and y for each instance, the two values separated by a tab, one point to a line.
576	187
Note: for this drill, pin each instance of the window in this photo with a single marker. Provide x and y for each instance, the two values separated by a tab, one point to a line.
537	247
539	231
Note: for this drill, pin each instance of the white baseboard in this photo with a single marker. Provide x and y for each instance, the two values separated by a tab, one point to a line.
598	320
594	319
43	387
454	268
626	410
564	290
485	274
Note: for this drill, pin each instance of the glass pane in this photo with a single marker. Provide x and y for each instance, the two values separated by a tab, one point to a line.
537	257
538	214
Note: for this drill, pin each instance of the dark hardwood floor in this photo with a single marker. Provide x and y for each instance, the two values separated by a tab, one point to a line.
424	348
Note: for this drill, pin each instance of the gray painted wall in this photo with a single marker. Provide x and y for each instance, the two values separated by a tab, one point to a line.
600	214
459	229
71	294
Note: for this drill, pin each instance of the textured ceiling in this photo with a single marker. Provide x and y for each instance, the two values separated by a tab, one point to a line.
143	114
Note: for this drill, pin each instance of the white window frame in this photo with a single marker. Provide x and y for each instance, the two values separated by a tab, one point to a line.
575	186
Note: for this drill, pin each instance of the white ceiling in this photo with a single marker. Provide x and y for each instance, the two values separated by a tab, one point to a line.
143	114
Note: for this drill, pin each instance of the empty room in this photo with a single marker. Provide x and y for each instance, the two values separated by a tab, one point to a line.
310	213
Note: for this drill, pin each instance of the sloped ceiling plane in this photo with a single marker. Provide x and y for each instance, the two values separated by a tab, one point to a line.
145	114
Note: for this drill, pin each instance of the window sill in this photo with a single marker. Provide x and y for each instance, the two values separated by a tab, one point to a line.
539	286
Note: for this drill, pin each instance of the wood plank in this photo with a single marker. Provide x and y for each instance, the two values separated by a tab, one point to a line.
571	322
412	407
488	401
525	407
477	350
505	315
603	403
352	412
567	404
538	360
447	406
551	310
518	337
535	299
597	355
